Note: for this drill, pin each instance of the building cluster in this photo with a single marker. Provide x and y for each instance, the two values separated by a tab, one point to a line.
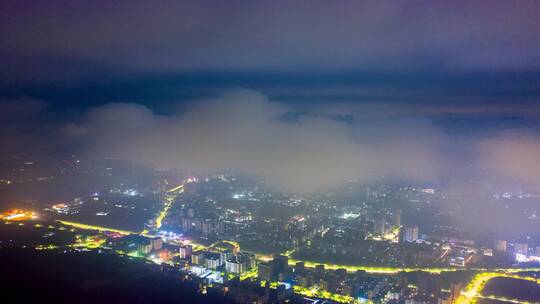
383	222
136	244
340	284
520	251
206	227
240	263
411	234
230	260
147	245
205	219
362	233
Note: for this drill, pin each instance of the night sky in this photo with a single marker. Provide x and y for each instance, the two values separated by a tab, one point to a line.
421	91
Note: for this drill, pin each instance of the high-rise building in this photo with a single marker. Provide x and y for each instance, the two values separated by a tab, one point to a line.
225	255
521	248
249	259
197	258
396	218
265	271
240	262
411	234
234	265
299	267
186	224
219	228
379	225
144	247
207	227
185	251
501	245
212	260
280	264
157	243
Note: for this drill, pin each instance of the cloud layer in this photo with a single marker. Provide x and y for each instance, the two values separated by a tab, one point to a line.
513	155
79	38
245	132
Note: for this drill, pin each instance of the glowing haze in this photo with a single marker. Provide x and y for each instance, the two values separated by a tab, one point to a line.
412	91
243	131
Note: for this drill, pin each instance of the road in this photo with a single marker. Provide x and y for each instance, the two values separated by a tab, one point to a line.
473	290
170	197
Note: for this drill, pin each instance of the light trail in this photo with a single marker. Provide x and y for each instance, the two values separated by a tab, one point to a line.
232	243
371	269
315	291
251	274
288	253
181	186
170	197
89	242
18	215
98	228
503	299
473	290
394	270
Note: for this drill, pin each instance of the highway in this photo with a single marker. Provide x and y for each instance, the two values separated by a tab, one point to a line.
93	227
170	197
473	290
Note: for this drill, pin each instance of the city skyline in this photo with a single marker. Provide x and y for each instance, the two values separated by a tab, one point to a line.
306	152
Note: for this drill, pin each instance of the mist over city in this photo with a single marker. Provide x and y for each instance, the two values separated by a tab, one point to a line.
270	151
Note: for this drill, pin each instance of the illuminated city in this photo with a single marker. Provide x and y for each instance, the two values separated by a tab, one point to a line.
269	152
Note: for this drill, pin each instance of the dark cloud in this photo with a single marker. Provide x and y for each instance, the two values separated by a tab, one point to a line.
22	123
14	110
352	90
78	38
245	131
